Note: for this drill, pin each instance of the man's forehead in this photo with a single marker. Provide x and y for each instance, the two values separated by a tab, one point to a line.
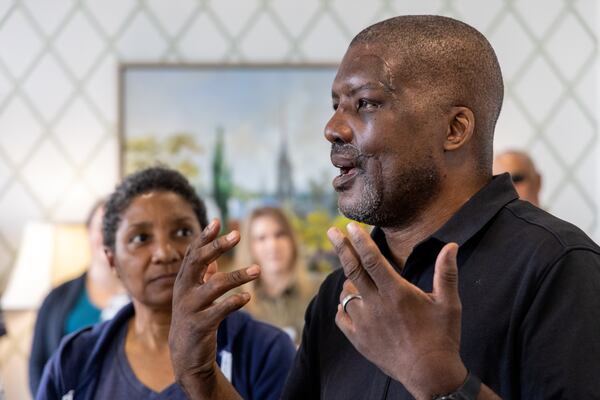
363	65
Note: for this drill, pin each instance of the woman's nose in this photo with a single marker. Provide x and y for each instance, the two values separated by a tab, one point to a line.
165	252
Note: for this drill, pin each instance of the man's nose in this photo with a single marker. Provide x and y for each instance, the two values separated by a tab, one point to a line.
337	129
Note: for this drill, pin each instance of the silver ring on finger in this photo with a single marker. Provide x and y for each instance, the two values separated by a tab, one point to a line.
348	299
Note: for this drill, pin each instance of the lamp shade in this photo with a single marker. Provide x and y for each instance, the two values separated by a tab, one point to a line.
49	255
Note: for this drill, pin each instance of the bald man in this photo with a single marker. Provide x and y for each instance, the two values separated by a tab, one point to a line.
515	313
525	177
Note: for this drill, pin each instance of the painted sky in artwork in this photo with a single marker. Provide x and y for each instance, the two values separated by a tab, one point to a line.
258	108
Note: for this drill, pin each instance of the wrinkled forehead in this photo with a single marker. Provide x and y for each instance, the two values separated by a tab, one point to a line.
363	64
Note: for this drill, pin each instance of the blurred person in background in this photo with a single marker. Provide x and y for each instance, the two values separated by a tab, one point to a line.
523	173
93	297
150	222
282	292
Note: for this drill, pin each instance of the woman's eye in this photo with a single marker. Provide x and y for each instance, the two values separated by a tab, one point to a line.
139	238
184	232
259	238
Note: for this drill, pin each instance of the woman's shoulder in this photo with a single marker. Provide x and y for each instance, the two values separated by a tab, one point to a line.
74	365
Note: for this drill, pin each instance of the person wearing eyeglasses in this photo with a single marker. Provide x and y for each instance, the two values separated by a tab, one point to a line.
526	179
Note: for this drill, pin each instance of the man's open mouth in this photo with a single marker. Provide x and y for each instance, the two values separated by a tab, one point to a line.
344	164
348	167
345	170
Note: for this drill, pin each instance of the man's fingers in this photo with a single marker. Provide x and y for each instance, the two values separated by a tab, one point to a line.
344	322
445	277
379	270
348	288
221	283
350	261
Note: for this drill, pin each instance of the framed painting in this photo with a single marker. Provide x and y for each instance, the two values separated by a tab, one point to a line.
244	135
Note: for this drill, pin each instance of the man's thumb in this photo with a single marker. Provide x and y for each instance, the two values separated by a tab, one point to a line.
445	277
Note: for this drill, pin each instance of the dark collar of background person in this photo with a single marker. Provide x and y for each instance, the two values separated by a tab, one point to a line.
49	326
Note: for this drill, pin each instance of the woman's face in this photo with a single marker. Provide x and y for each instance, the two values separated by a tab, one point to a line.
151	240
270	246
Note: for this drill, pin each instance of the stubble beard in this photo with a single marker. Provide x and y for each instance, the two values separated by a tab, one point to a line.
365	209
409	194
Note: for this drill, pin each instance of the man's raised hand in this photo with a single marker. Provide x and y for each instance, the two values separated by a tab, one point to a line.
411	335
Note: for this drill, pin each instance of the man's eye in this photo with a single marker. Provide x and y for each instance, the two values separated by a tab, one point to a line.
368	105
140	238
184	232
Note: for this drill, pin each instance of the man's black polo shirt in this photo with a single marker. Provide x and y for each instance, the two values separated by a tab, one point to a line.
530	291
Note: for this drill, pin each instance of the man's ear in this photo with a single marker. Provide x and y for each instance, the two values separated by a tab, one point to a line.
460	128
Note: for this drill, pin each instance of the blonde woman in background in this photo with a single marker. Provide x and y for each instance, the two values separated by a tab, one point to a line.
282	293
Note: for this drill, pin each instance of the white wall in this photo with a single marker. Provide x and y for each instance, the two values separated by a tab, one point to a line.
58	80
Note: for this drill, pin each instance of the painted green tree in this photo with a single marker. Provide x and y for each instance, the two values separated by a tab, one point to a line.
221	178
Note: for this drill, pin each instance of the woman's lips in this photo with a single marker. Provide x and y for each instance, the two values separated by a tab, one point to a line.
164	278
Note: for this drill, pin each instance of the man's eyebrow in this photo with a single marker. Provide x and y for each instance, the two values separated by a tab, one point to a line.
367	86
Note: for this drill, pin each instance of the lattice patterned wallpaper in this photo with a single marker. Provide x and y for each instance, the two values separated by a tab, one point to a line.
58	100
58	76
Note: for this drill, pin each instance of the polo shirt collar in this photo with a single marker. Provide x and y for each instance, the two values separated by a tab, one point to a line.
478	211
471	217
